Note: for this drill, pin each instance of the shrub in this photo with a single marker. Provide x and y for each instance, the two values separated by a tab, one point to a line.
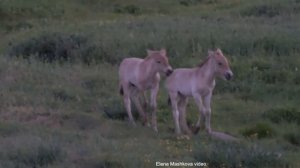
225	154
129	9
266	10
293	138
296	79
80	121
100	163
62	47
275	76
260	130
8	129
189	2
50	47
116	110
63	95
261	65
33	152
288	114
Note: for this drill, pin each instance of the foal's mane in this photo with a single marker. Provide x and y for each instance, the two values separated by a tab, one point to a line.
151	56
203	62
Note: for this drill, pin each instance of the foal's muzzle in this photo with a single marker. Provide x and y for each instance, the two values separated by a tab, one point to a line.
228	75
169	72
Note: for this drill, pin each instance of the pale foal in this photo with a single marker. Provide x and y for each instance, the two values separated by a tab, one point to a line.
139	75
198	83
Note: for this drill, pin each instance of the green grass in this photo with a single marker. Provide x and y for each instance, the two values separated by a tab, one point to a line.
59	103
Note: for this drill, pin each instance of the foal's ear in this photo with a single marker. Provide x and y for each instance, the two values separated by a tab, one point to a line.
219	51
149	52
210	52
163	52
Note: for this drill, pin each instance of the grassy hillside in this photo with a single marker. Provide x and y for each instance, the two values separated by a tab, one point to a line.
59	102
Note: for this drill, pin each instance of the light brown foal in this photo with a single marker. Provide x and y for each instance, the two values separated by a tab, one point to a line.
198	83
139	75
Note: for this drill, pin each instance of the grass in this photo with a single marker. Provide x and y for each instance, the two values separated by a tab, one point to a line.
220	154
59	100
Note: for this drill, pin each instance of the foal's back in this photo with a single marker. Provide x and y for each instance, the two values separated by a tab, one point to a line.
182	80
128	70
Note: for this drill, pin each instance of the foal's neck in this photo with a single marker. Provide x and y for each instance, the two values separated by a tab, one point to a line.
207	71
147	69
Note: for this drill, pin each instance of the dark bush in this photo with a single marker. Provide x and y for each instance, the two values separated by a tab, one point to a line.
8	129
50	47
275	76
262	10
61	47
129	9
296	79
275	45
18	26
227	155
116	110
63	95
96	163
192	2
293	138
261	65
34	153
260	130
80	121
288	114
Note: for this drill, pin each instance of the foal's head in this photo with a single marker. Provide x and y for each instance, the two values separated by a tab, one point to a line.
222	67
159	60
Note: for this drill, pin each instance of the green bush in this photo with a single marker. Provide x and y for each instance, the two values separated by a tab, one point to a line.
80	121
7	129
288	114
63	95
50	47
260	130
98	163
261	65
266	10
31	151
130	9
296	79
116	110
225	154
275	76
293	138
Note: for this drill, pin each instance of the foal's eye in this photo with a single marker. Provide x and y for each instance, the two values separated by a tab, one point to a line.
158	62
220	64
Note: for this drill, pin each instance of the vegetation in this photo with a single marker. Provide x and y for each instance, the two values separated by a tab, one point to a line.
59	103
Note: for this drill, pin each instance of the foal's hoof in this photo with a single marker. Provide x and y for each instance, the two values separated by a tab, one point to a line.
155	129
183	137
147	124
195	129
132	123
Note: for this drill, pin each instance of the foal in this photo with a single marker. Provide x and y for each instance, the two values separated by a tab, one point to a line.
198	83
139	75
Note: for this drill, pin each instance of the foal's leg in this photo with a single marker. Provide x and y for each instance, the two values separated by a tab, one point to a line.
153	105
127	102
207	112
201	119
182	115
173	98
144	99
136	100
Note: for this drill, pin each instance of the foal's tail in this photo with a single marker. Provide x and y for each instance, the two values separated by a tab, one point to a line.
121	91
169	100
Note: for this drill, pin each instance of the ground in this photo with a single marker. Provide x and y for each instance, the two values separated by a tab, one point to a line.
60	105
